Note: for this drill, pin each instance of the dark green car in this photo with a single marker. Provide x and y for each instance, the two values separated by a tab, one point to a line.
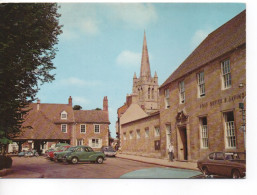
59	156
84	154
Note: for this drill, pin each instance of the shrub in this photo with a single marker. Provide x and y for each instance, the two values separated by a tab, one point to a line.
5	162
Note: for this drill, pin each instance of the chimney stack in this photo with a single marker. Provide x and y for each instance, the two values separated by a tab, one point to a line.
38	104
70	101
105	104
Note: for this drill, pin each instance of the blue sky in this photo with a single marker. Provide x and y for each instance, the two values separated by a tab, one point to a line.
101	45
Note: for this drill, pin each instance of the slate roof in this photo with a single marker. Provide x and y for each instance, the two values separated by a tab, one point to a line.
227	37
91	116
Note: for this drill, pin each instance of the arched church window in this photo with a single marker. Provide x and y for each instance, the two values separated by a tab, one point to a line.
149	91
152	93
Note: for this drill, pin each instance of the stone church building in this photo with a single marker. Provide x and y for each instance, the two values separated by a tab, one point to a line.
197	108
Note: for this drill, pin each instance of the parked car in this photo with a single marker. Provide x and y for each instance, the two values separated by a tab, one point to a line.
28	153
59	156
108	151
50	155
84	154
228	164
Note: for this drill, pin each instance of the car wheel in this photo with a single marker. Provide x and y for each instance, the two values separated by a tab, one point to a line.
99	160
74	160
235	174
205	171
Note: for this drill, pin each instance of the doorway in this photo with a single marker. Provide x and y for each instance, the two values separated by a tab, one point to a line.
182	143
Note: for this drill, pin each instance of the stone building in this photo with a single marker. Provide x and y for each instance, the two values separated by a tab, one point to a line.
138	118
199	102
46	124
199	107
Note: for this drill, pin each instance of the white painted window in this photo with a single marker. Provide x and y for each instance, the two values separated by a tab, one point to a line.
97	128
167	98
138	134
182	92
130	134
82	128
201	84
64	115
146	132
124	136
96	143
79	142
226	74
64	128
157	131
204	132
230	130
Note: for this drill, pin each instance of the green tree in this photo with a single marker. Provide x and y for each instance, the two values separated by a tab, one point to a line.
28	35
77	107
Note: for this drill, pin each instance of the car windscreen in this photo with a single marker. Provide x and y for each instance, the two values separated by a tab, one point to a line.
235	156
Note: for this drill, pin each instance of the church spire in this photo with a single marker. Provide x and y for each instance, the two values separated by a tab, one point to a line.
145	65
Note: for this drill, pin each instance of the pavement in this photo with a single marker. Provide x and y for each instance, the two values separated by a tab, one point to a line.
162	162
25	173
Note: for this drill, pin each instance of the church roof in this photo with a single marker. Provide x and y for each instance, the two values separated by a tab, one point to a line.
227	37
145	65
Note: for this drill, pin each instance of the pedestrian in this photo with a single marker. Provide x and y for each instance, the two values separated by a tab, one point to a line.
171	152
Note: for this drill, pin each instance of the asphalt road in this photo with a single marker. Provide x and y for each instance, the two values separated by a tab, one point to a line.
111	168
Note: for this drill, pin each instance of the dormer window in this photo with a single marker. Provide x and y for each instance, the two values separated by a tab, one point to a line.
64	115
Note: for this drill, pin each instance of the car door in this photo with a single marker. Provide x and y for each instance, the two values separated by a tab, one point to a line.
90	154
219	166
79	153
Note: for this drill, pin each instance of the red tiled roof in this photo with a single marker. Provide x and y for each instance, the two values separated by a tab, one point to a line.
42	122
91	116
224	39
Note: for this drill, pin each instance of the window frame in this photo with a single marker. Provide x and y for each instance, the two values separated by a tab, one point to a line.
124	136
81	128
147	134
204	139
82	141
167	98
201	84
155	134
226	76
66	128
95	127
131	135
138	135
230	140
64	113
182	94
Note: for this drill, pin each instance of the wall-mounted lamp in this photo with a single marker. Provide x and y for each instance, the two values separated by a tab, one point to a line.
241	85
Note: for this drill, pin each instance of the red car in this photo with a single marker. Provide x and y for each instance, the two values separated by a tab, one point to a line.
50	155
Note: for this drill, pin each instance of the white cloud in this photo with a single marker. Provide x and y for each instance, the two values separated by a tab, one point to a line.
134	14
80	101
88	18
128	59
78	19
89	26
198	37
79	82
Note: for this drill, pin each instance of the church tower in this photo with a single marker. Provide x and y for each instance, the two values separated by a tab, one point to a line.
146	86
